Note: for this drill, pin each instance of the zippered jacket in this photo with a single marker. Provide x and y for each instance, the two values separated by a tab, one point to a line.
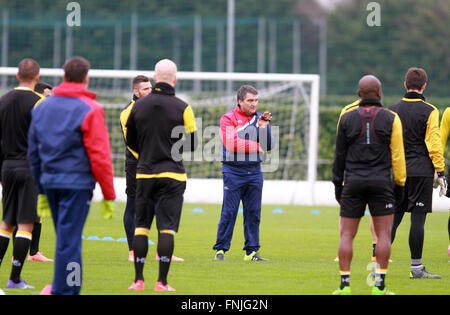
242	138
369	144
69	146
421	134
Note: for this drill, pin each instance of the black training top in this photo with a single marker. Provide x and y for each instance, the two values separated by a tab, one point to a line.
15	119
369	144
155	130
421	134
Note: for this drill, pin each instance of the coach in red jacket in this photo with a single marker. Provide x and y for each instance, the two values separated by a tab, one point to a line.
246	136
69	151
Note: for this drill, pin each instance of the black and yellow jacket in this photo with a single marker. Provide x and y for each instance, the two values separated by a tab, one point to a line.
348	108
421	133
130	155
445	128
15	119
369	143
155	129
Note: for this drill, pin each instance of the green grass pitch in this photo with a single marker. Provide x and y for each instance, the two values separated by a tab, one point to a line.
300	244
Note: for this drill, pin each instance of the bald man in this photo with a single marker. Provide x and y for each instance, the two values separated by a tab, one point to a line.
166	71
155	130
369	144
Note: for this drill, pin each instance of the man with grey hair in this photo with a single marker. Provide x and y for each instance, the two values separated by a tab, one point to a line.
246	136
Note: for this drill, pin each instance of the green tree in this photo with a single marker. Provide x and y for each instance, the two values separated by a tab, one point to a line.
411	34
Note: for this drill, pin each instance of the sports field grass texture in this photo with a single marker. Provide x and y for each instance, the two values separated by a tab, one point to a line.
301	243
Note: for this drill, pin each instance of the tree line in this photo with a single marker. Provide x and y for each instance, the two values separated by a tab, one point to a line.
412	33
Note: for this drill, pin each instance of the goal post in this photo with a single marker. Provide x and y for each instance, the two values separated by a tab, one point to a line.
293	100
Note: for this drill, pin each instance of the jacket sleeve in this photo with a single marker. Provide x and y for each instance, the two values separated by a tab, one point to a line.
340	155
191	141
230	138
433	141
131	134
124	115
96	142
398	152
445	128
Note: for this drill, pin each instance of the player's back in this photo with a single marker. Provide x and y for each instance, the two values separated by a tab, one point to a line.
15	119
368	131
415	115
159	120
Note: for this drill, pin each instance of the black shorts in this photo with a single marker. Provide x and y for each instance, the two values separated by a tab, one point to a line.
130	175
418	195
356	195
160	197
19	193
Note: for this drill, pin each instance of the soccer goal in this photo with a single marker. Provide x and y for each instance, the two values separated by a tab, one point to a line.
293	100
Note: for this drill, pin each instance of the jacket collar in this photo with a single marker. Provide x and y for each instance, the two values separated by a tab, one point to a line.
135	98
163	88
414	95
241	112
370	102
73	89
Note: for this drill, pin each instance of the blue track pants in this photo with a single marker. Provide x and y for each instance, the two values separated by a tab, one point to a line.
70	209
248	188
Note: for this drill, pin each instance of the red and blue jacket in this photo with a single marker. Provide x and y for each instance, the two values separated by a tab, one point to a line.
68	142
242	138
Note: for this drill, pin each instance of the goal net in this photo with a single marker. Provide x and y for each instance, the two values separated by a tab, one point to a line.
292	99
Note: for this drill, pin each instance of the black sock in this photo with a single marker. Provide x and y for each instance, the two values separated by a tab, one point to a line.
345	279
140	247
20	251
374	247
34	246
165	252
4	242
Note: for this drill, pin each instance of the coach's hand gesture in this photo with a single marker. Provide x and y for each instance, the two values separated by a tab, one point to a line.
264	120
